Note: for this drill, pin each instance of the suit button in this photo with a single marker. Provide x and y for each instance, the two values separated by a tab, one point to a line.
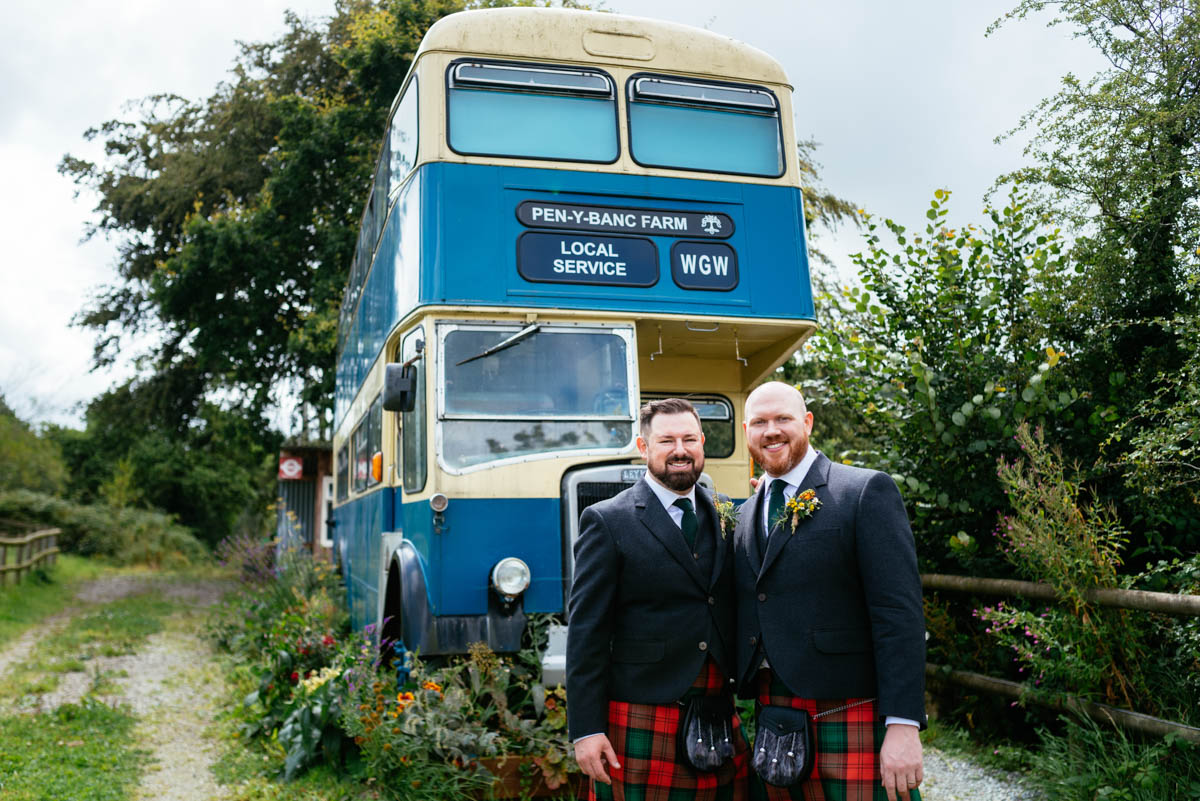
762	596
711	600
703	646
754	641
695	556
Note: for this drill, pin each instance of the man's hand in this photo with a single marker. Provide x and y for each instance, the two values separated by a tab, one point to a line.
900	760
592	752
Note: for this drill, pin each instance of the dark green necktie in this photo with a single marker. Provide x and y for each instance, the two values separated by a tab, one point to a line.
776	503
689	525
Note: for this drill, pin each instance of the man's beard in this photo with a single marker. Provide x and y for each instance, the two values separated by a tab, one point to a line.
675	480
795	454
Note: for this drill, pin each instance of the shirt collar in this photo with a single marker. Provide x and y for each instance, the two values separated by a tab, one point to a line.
796	475
666	496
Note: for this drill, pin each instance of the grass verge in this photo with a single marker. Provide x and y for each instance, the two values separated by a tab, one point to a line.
84	752
42	594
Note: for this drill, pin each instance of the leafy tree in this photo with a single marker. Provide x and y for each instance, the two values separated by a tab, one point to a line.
27	461
1162	455
947	348
210	468
1116	156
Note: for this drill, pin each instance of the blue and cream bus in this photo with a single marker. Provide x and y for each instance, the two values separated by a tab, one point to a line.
573	212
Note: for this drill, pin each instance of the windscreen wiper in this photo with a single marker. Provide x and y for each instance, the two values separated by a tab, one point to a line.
527	331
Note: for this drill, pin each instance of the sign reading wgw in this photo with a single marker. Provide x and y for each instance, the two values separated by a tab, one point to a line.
704	265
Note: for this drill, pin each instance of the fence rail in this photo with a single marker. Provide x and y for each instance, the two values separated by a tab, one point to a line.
1165	602
1170	603
19	555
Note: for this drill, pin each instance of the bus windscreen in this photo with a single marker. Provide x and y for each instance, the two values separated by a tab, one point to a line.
553	390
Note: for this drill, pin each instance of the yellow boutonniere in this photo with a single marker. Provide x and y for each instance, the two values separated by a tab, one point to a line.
799	507
727	516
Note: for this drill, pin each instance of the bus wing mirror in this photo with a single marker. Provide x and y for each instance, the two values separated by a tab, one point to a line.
399	387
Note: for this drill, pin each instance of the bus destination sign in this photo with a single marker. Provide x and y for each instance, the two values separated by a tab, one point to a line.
582	259
613	220
704	265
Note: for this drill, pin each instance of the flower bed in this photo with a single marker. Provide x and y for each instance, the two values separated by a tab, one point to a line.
480	726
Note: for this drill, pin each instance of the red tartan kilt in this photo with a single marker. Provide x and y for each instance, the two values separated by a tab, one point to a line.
847	748
643	737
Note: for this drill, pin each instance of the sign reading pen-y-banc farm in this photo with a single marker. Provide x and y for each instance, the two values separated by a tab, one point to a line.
585	259
616	220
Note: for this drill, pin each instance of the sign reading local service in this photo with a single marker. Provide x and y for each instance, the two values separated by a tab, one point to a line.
704	265
613	220
584	259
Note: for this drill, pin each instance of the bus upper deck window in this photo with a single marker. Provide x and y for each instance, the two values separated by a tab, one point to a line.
532	112
700	126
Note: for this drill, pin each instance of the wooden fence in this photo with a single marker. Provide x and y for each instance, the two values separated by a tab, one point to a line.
21	554
1162	602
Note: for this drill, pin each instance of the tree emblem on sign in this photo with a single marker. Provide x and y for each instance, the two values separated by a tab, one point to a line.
711	224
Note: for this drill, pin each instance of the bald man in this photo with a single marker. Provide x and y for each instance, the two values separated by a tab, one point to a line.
829	608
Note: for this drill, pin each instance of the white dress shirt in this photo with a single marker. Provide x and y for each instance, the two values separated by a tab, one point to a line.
669	496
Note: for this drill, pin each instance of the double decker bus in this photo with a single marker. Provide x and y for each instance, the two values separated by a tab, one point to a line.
573	212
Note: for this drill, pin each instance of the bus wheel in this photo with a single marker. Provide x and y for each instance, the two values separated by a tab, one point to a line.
392	647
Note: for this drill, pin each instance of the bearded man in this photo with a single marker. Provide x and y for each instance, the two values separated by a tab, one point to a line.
829	608
652	624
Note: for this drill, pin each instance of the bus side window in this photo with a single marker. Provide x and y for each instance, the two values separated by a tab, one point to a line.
413	446
343	473
402	138
362	457
374	438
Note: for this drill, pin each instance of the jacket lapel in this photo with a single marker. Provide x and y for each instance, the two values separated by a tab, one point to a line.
746	533
817	476
655	518
708	513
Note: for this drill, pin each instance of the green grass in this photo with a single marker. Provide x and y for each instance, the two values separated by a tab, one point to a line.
114	629
82	753
42	594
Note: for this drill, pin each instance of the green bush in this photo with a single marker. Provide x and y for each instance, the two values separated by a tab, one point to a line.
27	461
123	536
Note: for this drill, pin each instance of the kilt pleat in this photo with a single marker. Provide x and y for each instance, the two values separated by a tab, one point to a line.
643	736
847	749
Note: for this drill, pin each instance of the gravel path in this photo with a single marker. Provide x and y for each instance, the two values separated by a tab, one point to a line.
171	684
949	777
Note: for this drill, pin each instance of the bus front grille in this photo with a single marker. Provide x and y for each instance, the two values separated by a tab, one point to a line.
589	492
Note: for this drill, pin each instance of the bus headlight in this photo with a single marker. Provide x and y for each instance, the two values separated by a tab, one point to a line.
510	578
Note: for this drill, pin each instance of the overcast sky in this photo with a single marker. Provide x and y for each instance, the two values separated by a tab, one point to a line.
904	98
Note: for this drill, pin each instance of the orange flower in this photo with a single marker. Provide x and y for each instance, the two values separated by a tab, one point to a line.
432	685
